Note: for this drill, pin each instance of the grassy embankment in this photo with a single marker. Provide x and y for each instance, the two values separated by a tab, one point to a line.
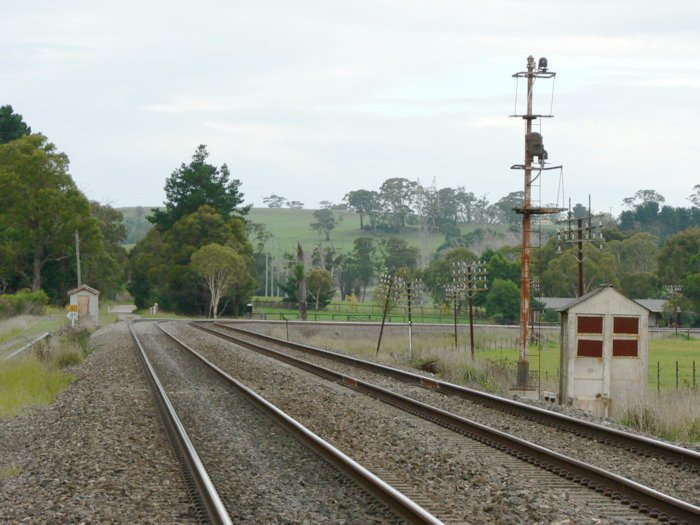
36	378
39	376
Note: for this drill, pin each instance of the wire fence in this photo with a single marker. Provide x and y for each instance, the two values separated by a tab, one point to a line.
681	374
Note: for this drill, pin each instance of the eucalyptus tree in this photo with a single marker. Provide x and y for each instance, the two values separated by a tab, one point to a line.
220	266
397	196
40	207
366	204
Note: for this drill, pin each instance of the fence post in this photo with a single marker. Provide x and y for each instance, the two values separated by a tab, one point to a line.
658	376
694	383
676	375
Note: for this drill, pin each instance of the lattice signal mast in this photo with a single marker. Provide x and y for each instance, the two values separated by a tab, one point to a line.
534	147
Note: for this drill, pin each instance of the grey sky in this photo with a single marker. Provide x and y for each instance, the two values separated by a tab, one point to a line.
313	99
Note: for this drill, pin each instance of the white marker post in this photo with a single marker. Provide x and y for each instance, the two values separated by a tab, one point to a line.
72	314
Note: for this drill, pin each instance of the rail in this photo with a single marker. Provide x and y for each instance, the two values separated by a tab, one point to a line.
181	442
671	453
638	496
398	502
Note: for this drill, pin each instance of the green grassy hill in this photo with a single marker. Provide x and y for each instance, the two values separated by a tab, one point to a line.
289	226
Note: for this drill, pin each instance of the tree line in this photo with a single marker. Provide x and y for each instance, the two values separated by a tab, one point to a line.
650	251
203	256
41	209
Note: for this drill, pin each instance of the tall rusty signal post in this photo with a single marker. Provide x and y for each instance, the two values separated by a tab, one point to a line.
534	148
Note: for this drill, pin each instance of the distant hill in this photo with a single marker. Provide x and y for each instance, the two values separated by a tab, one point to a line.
289	226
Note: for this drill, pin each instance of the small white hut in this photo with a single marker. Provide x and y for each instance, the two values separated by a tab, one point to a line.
87	301
604	350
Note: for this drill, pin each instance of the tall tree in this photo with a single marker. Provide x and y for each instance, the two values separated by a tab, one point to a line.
503	301
40	206
301	281
319	284
397	196
503	211
325	222
695	196
366	204
466	206
274	201
160	263
642	197
363	253
398	254
12	126
638	253
219	266
680	257
196	184
104	263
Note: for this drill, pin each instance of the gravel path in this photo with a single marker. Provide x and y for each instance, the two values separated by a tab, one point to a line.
98	454
462	481
652	472
262	474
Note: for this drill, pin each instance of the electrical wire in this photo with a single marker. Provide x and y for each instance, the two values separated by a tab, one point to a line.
551	102
560	188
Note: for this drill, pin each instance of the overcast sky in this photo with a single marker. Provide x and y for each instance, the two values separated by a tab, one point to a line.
312	99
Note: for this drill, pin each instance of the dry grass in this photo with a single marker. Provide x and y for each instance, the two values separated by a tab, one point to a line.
434	353
14	326
673	415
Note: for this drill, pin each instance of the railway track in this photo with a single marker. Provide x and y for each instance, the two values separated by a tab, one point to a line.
638	496
205	395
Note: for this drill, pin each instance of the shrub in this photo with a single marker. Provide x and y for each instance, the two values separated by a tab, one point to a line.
23	302
68	357
77	338
6	308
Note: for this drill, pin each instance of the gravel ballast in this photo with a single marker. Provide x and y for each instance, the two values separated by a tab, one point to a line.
99	453
463	482
653	472
261	472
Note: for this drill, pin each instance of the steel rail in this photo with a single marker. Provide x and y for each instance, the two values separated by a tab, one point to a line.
15	353
635	443
181	442
634	494
397	501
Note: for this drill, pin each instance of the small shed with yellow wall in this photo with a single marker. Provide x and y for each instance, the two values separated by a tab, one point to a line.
604	350
87	301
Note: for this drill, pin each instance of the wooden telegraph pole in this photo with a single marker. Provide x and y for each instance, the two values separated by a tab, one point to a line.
77	257
578	231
